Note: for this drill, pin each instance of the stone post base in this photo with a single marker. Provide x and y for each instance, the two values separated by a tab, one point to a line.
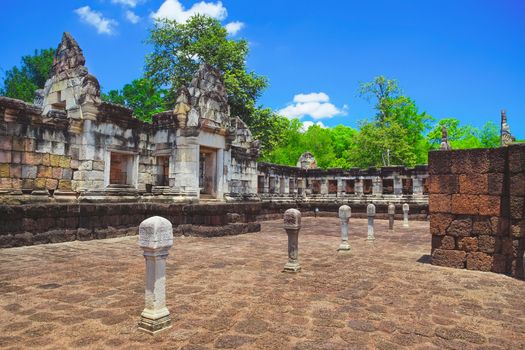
151	326
344	246
292	267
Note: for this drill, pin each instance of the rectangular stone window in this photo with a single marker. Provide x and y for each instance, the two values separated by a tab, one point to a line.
272	184
260	184
163	171
388	186
316	186
350	186
367	186
407	186
59	102
121	169
291	185
281	185
332	186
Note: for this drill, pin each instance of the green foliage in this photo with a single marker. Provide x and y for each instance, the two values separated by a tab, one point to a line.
179	49
141	95
22	82
465	136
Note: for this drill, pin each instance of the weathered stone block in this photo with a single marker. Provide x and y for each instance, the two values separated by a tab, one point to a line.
443	184
443	242
465	204
44	171
65	185
57	173
51	184
517	228
468	244
29	145
29	171
439	223
46	159
5	156
489	205
40	184
98	165
482	226
516	158
499	263
497	159
439	162
517	207
5	183
495	183
28	183
449	258
471	161
32	158
487	244
439	203
517	184
479	261
16	157
54	160
18	144
6	143
473	184
460	228
4	170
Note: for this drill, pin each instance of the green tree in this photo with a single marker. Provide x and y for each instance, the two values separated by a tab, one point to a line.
179	49
464	136
142	96
22	82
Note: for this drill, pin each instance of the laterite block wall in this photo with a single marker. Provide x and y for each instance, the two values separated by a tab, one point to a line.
476	206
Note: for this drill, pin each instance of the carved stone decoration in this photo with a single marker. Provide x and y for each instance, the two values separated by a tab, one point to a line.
345	212
370	213
405	214
445	145
292	225
506	136
155	238
391	214
307	161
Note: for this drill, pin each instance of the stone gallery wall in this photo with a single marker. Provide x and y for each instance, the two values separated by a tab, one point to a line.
476	204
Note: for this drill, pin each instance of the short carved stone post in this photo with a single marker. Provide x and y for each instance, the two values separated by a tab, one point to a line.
345	212
405	215
292	225
391	213
370	212
155	238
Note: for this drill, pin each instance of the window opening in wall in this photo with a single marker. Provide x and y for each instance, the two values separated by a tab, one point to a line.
316	186
350	186
388	186
272	184
281	185
332	186
300	187
121	169
407	186
291	185
367	186
260	184
60	103
207	173
163	171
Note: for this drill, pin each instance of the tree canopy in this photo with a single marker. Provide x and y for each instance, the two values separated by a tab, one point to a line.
22	82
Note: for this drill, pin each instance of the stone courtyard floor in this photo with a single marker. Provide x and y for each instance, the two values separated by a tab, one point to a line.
229	292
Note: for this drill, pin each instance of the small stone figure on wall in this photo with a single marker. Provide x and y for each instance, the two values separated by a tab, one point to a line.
292	225
445	145
506	136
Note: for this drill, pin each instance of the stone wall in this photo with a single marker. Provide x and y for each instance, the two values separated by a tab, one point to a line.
477	210
52	223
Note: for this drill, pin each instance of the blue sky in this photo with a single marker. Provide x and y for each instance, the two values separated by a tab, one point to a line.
462	59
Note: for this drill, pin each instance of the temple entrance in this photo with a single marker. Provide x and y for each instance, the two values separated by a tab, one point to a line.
207	172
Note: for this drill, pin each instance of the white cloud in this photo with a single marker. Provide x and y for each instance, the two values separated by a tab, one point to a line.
173	9
132	17
315	105
307	124
97	20
311	97
130	3
234	27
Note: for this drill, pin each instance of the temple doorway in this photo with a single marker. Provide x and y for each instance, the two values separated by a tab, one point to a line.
207	172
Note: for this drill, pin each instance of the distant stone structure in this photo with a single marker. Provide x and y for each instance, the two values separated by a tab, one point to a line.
505	135
445	145
307	161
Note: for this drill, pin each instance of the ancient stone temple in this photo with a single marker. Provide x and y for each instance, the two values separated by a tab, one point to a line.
71	146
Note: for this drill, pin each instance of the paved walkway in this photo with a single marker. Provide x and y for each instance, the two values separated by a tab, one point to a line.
229	292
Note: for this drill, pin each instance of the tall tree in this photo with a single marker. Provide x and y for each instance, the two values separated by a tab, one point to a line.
22	82
179	49
141	95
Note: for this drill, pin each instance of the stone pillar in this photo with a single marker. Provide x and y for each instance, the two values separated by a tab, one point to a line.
417	186
187	167
286	181
324	186
292	225
155	238
340	187
358	187
391	213
345	212
398	186
221	183
377	186
371	213
405	215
